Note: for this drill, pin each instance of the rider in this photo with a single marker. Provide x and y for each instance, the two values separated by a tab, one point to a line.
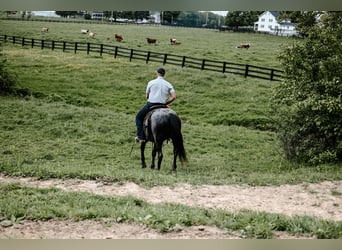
158	91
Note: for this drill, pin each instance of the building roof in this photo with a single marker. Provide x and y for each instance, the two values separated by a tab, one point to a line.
275	13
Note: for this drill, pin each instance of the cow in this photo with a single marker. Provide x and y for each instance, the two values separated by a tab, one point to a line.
174	41
244	46
119	37
151	40
92	34
45	29
84	31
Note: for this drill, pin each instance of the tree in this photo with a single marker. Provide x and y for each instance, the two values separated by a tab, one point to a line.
308	103
304	20
170	16
190	18
141	15
241	18
67	13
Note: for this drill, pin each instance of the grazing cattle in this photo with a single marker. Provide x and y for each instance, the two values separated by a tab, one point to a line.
45	29
84	31
174	41
92	34
244	46
118	37
151	40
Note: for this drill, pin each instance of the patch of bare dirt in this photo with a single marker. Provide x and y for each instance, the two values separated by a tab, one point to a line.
90	229
322	200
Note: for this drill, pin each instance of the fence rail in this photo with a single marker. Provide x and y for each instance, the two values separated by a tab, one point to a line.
149	56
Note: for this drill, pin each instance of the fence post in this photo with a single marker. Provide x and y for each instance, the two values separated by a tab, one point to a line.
53	45
32	42
165	58
88	48
272	74
148	56
64	45
203	64
224	67
75	50
101	49
13	40
246	70
131	55
116	51
23	41
183	61
42	45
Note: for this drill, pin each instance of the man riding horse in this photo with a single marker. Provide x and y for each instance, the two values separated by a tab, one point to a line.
159	92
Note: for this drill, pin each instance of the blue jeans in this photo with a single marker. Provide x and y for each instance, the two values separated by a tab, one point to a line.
139	119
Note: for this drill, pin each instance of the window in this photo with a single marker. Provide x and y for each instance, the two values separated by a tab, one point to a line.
262	26
262	19
270	20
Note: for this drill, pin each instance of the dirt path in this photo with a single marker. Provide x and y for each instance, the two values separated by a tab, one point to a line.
323	200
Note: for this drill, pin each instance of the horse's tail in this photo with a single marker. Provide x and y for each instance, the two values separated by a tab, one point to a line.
179	146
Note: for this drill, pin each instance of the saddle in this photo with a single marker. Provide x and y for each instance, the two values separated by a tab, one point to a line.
147	120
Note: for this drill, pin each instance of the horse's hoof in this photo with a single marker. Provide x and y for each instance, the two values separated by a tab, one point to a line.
143	166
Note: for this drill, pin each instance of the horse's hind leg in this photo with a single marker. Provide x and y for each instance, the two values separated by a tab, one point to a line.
160	156
157	148
174	166
154	152
142	149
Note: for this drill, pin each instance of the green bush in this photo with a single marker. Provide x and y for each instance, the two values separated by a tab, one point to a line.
308	104
8	81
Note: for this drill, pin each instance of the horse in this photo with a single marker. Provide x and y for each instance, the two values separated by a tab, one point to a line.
162	124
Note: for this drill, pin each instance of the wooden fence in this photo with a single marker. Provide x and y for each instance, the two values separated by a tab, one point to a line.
149	56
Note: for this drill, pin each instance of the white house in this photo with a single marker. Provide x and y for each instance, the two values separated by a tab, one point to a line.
97	15
267	22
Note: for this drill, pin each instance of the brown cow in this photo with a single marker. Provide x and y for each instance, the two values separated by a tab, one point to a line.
119	37
45	29
92	34
244	46
151	40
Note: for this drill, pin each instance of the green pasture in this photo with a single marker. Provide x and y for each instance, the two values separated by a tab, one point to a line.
199	43
78	122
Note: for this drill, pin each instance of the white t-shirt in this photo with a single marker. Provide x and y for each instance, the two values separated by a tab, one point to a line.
159	90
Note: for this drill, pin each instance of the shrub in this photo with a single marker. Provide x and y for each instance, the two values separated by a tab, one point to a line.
8	81
308	104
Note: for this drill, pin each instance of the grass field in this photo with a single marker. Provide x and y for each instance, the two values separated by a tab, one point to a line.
79	120
199	43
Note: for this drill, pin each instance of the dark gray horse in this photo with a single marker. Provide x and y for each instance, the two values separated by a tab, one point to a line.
163	124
